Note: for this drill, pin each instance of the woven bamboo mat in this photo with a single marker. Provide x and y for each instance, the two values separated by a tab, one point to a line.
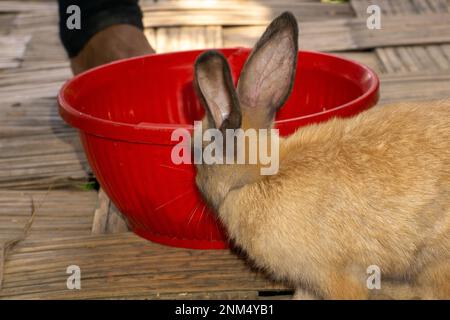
43	168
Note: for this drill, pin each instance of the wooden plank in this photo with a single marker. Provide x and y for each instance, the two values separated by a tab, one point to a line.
27	23
6	23
29	84
234	12
124	266
351	34
414	87
369	58
31	118
37	149
150	34
40	161
107	218
185	38
27	6
45	48
58	213
12	50
26	92
101	213
58	72
116	222
401	7
391	60
428	58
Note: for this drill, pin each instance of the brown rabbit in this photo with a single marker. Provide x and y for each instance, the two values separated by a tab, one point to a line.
350	193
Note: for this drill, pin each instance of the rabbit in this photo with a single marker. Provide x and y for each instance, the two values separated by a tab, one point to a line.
373	189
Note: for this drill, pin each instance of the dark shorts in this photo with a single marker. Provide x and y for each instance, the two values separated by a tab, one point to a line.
95	16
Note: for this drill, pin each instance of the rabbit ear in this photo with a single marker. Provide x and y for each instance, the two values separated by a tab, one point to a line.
216	90
268	75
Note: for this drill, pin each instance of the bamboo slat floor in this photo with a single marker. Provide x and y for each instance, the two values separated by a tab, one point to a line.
43	168
12	50
414	87
58	213
352	33
171	13
124	266
425	58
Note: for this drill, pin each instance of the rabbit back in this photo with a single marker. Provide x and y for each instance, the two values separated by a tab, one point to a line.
350	193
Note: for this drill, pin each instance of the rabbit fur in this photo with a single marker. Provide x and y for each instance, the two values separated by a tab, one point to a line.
373	189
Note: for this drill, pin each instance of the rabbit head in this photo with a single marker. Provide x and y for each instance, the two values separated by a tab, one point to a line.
264	85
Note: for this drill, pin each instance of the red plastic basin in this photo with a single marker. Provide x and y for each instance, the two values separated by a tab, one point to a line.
126	111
